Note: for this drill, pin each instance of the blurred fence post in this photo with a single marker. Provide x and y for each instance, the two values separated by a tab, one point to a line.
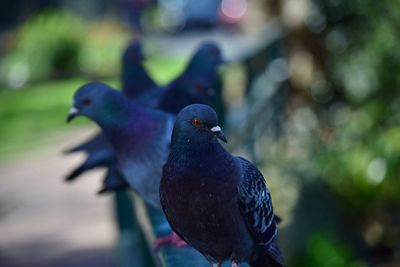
133	250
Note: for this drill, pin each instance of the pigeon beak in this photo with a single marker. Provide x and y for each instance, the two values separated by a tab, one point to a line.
73	112
218	133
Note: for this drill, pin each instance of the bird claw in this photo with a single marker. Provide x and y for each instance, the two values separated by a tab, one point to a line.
172	239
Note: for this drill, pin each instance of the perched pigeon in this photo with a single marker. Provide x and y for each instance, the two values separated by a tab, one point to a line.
139	136
216	202
199	83
135	82
135	79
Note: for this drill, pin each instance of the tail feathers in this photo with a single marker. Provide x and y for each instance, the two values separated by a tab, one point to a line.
103	158
268	256
110	189
74	149
75	173
91	145
113	181
88	164
278	219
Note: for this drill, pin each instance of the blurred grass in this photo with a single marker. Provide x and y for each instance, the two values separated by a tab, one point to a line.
29	115
165	68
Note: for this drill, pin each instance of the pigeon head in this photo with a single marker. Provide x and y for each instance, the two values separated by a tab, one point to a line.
197	123
96	101
133	53
208	57
135	79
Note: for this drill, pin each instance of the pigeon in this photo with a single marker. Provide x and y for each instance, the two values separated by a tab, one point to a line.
140	137
135	79
114	181
199	83
216	202
135	82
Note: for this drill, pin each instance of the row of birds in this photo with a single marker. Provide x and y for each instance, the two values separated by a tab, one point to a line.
162	142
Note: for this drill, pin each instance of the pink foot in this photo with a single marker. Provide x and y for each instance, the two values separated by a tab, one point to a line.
172	239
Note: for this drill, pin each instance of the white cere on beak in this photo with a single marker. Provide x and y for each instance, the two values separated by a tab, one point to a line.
215	129
73	111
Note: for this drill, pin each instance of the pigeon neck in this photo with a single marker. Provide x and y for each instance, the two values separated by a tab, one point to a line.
192	152
138	128
118	116
205	164
199	69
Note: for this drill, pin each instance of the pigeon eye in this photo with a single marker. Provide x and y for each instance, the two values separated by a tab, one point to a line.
87	101
196	122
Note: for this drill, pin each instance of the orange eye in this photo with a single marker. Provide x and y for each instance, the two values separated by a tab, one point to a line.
87	101
196	122
199	88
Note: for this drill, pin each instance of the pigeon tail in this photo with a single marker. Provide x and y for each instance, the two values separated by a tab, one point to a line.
113	181
268	256
75	173
74	149
93	161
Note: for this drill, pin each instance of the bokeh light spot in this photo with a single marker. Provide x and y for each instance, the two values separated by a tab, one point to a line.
234	10
376	170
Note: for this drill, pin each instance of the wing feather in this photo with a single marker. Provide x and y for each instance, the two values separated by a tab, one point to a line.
255	203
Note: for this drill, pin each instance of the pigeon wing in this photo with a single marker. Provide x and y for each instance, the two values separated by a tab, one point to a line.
255	203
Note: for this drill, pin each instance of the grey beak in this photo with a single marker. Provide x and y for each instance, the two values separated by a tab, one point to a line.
73	112
218	133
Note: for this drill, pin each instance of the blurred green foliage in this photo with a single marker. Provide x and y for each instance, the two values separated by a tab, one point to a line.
324	249
328	140
59	44
358	155
365	139
46	45
100	54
